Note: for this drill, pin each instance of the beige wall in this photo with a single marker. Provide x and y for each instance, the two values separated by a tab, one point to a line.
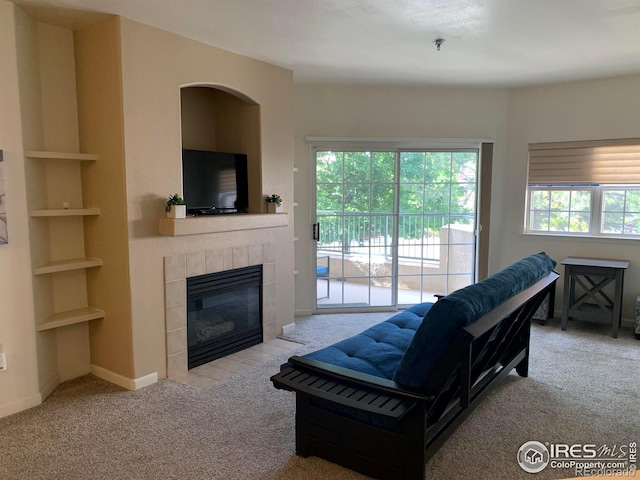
155	64
383	112
99	87
19	384
607	108
128	106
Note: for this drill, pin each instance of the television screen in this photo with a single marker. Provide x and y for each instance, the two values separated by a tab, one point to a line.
214	182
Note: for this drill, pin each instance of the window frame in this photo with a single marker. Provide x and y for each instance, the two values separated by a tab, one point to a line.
596	217
610	187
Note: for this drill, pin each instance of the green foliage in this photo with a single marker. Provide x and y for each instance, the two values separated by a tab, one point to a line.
621	212
569	210
355	192
561	210
274	199
174	199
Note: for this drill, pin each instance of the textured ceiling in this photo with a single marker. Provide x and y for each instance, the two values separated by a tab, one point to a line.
501	43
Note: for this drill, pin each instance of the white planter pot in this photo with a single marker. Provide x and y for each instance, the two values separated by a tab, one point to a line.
177	211
273	207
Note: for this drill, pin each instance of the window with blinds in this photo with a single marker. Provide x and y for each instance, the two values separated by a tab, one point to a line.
584	188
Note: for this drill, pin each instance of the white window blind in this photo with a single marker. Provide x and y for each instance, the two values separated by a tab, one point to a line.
602	162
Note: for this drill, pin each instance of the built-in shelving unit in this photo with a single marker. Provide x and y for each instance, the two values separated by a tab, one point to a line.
64	232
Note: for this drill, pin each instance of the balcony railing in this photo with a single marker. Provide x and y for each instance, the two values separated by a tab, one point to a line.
418	235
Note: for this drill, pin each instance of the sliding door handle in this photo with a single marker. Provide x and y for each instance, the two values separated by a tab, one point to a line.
316	231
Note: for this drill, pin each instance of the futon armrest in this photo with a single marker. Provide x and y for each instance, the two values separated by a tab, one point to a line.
348	388
357	378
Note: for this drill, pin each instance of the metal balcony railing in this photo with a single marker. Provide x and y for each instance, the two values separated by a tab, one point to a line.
418	235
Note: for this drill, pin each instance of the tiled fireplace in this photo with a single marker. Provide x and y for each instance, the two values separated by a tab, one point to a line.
177	268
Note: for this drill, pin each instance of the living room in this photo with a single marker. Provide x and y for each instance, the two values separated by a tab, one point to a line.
116	83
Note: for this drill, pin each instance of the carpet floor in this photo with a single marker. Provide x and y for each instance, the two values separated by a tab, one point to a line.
583	387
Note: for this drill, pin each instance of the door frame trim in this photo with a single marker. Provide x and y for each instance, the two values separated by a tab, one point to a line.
484	147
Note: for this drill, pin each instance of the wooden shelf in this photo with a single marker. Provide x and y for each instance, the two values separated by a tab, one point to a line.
66	265
71	317
174	227
85	157
66	212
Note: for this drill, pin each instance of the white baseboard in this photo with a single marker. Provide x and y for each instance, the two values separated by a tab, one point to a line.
146	380
20	405
288	329
50	387
33	400
75	373
109	376
624	322
303	313
122	381
628	322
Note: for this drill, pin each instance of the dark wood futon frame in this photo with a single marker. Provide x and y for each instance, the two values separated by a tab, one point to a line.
377	427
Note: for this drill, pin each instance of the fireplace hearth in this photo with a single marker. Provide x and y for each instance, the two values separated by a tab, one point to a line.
224	313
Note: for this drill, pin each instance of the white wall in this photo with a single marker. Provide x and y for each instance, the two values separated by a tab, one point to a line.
385	112
607	108
19	384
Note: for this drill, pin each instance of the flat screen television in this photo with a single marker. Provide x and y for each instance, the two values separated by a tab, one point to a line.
214	182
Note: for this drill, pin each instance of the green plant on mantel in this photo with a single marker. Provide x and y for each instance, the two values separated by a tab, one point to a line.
274	199
174	199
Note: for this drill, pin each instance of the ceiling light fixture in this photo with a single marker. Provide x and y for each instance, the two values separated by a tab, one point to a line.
438	42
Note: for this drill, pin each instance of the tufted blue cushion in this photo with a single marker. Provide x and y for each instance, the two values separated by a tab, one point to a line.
378	350
461	308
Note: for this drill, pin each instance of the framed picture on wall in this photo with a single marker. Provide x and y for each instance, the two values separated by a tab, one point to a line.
4	234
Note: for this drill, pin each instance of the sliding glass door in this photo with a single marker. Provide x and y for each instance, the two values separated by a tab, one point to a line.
395	227
437	223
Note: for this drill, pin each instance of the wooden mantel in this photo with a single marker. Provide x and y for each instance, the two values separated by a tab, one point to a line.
175	227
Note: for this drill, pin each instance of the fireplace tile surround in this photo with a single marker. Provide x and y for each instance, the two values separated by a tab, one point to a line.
177	268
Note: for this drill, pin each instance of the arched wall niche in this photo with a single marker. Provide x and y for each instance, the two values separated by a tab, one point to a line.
220	119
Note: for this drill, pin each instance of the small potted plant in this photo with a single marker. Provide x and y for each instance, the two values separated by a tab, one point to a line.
274	203
176	207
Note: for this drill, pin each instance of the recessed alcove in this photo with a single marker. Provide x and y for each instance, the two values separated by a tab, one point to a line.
218	118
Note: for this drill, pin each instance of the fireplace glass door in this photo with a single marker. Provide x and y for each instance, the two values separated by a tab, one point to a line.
224	313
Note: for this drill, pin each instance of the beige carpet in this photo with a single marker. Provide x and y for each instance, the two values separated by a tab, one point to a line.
583	388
